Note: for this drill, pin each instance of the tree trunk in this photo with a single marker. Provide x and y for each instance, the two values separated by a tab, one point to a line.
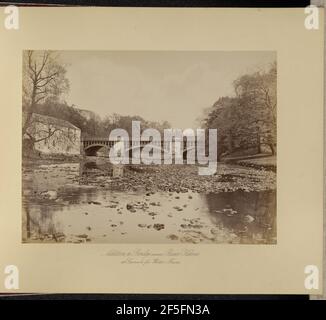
230	143
258	143
272	149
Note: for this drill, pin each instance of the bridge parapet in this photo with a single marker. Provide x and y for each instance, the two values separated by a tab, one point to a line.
166	146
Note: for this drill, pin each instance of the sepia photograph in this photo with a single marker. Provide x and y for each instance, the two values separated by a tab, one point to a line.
154	158
78	187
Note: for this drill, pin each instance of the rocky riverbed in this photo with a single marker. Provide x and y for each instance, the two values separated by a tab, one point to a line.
182	178
83	203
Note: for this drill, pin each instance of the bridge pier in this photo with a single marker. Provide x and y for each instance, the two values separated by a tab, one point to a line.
117	170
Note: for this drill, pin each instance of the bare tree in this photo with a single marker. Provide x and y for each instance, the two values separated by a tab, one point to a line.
43	77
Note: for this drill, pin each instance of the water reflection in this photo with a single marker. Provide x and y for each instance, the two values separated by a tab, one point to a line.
57	209
251	215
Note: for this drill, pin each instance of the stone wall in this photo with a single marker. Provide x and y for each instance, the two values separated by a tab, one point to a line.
53	136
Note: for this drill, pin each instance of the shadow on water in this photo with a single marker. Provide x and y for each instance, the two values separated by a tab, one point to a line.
95	164
250	215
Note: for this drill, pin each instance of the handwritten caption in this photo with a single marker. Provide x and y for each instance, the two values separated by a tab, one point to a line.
148	256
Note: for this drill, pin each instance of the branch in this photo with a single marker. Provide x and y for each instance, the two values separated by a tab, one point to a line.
51	133
45	59
39	99
30	136
30	67
47	79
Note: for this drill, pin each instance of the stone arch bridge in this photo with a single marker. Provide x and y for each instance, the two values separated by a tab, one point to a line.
92	145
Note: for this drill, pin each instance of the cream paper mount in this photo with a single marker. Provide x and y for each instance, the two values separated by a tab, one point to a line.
71	221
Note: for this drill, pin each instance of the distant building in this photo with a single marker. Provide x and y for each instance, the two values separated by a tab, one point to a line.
49	135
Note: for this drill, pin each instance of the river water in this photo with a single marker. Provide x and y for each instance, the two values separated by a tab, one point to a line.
57	208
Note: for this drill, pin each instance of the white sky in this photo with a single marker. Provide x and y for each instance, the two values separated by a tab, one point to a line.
157	85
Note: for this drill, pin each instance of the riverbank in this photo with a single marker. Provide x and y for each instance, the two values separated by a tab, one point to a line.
97	172
50	158
258	161
182	178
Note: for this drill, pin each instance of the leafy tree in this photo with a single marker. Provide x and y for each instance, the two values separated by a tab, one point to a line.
246	120
258	99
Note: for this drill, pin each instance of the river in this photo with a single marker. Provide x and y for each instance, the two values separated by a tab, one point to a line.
57	208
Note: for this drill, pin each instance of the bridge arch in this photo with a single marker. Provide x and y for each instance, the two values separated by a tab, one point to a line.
186	150
152	146
92	146
92	149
